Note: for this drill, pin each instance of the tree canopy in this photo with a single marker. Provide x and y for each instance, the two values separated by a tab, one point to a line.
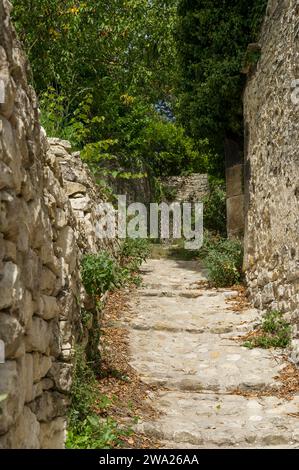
148	85
212	39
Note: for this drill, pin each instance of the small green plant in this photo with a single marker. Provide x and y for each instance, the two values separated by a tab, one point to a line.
83	391
223	259
134	252
96	433
251	58
86	429
274	332
100	273
86	317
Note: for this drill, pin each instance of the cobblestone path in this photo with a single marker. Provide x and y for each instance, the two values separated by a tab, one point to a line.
184	340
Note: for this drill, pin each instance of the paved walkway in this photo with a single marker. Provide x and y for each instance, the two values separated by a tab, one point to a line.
182	340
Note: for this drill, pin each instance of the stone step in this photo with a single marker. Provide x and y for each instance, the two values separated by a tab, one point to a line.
201	314
186	339
215	421
185	361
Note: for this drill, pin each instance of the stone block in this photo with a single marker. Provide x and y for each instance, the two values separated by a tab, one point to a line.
6	176
61	374
49	405
74	188
31	273
49	307
41	366
26	309
39	336
10	251
80	203
10	386
48	281
67	242
53	434
9	285
12	334
24	434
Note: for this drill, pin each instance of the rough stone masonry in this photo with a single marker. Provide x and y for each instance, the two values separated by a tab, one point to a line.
48	218
272	167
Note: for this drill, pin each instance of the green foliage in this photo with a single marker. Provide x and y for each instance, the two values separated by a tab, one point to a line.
105	73
77	125
167	193
275	332
82	397
134	252
99	273
169	150
86	429
215	208
102	272
86	317
96	433
111	49
212	39
223	259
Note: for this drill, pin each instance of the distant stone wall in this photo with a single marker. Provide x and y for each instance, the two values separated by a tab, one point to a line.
136	189
272	166
192	188
48	218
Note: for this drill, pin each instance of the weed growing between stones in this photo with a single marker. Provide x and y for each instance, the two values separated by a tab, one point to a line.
274	332
223	259
87	429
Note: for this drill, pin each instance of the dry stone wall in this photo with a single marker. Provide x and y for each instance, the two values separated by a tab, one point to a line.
192	188
272	167
48	218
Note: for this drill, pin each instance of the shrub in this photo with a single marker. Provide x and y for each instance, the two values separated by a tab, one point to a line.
274	332
223	259
134	252
100	273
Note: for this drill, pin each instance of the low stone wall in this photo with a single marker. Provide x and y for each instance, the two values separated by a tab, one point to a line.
272	167
48	218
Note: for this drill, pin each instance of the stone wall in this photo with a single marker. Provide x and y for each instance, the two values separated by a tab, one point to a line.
48	218
192	188
272	166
